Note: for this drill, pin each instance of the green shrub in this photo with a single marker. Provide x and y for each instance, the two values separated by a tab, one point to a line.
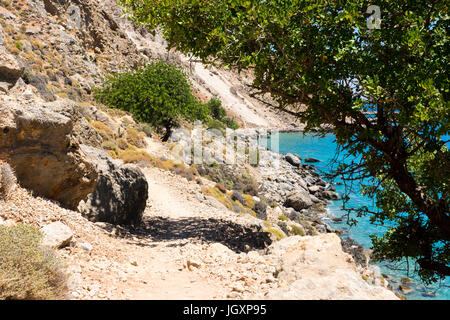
283	218
277	233
231	178
215	108
27	270
230	123
219	119
159	94
146	128
297	230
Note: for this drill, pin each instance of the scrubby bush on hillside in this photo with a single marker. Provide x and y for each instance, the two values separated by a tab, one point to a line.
231	178
159	94
219	119
27	270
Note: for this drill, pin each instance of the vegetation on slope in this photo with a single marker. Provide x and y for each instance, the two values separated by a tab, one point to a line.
160	94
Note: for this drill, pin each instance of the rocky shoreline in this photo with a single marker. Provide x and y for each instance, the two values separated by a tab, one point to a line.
302	197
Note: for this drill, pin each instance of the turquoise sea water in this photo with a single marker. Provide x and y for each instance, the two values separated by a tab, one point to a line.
324	149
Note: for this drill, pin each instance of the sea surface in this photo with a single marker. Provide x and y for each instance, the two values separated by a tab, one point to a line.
324	149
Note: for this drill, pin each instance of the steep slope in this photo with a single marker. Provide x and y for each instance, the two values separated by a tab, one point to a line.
66	47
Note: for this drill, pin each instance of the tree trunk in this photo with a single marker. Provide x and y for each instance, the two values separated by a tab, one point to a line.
168	133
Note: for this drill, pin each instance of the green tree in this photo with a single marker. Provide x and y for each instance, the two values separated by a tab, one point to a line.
159	94
383	91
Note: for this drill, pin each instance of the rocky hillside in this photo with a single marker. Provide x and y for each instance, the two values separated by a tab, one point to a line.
128	218
64	48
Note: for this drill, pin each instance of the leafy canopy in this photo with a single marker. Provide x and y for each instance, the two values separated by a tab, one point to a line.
159	94
383	91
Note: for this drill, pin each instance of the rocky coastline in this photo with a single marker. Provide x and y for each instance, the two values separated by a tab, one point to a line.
303	196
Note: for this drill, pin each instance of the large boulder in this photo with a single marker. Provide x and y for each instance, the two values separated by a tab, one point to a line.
39	143
330	195
316	268
298	199
120	196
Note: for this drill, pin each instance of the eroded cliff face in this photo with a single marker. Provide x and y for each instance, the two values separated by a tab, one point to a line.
39	143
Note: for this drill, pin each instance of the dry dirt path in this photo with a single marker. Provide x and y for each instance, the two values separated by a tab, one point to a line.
168	258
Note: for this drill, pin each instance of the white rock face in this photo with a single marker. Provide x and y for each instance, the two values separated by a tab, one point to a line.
56	235
314	268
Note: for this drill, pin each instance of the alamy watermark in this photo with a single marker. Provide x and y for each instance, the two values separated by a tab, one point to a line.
374	20
232	147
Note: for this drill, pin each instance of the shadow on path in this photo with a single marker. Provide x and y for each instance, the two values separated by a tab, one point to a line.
236	237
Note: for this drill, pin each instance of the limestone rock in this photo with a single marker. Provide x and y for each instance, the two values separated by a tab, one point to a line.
120	196
315	267
10	71
298	199
86	247
56	235
40	145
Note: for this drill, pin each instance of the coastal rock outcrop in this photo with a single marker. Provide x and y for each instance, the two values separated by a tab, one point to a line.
40	145
120	196
315	268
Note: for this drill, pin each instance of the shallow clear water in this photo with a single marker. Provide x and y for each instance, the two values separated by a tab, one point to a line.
324	149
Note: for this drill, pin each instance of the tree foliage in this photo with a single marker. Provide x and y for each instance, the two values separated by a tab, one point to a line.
159	94
384	91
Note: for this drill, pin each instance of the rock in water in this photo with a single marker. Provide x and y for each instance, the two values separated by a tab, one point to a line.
405	289
299	199
56	235
311	160
330	195
120	196
293	159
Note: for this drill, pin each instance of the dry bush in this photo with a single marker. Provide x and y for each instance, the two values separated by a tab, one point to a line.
135	138
27	270
133	155
103	130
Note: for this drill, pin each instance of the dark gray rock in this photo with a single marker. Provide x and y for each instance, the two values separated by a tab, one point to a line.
311	160
260	209
120	196
236	195
330	195
356	250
